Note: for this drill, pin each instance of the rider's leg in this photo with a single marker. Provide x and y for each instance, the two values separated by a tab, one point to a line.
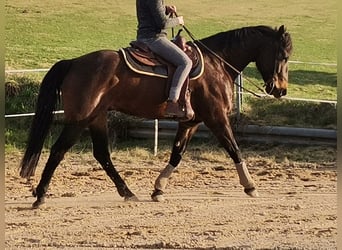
172	53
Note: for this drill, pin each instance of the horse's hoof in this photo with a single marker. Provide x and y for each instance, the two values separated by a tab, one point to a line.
252	192
131	198
158	196
38	203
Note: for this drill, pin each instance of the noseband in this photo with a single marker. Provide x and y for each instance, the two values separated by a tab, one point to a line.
270	84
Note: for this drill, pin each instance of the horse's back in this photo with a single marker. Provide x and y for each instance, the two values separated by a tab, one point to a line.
101	81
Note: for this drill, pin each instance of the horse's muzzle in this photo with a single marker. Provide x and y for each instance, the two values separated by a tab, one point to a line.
272	89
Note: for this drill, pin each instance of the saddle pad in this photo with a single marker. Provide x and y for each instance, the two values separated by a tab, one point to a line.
161	70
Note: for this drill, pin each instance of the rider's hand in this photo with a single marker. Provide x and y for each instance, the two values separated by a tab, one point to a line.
170	9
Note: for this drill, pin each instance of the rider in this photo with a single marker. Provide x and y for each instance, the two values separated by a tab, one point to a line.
153	19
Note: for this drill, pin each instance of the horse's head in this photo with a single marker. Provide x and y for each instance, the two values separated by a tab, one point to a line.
272	62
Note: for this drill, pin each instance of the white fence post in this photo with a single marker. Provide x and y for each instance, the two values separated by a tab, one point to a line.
238	90
155	151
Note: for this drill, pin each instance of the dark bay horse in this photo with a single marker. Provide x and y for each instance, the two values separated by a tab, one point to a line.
100	81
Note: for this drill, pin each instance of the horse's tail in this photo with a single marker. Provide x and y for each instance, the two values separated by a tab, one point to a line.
48	98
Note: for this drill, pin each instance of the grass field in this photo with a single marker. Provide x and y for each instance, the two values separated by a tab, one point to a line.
40	33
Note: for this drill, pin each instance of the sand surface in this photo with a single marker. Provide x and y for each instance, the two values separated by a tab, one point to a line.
205	207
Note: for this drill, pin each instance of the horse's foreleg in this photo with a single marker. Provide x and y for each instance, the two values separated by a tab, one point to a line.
226	138
66	140
184	134
99	135
245	179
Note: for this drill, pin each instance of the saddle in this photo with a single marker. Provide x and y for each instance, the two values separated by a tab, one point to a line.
142	60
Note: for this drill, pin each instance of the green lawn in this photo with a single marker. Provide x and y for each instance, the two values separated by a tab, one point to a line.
39	33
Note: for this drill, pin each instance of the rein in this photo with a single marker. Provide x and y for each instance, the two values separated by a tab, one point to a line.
226	63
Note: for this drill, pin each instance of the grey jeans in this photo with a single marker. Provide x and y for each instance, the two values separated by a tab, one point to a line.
172	53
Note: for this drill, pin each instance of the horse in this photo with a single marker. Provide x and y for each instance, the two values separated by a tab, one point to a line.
91	85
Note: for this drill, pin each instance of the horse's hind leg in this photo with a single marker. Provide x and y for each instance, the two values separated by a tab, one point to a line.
184	134
66	140
99	135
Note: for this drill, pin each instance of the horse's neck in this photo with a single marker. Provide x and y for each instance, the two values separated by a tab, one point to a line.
236	58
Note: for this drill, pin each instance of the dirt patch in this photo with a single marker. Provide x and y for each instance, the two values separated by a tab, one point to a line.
205	207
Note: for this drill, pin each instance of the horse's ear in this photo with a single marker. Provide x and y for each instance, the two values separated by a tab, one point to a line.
281	30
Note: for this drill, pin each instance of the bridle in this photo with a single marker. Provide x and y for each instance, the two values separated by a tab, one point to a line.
275	71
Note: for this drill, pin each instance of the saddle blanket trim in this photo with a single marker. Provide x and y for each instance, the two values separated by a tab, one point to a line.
164	75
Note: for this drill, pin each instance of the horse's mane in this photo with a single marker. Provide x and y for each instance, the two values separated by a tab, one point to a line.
243	36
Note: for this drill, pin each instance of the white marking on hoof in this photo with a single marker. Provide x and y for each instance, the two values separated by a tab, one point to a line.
132	198
158	198
253	193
